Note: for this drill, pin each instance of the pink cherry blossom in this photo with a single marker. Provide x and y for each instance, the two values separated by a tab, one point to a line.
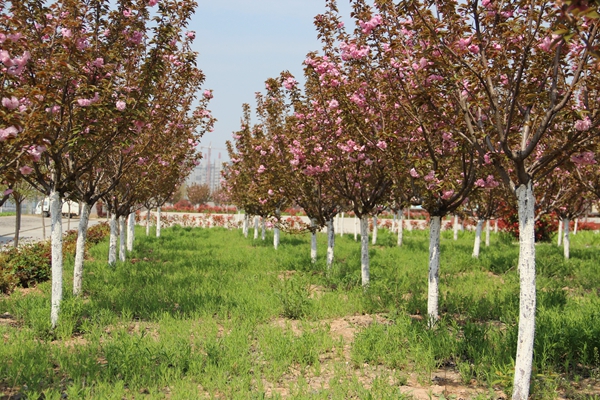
261	169
333	104
36	152
586	158
26	170
581	125
66	32
546	44
208	94
120	105
191	35
11	131
447	194
7	192
11	103
382	145
88	102
289	83
152	3
474	49
413	172
127	13
98	62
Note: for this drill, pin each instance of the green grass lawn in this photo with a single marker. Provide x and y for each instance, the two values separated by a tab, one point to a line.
207	313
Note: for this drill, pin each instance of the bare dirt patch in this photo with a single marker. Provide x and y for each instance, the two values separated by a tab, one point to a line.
336	365
8	320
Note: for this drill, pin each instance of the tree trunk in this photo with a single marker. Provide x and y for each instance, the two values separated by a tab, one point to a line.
17	223
57	256
330	242
576	226
80	249
112	243
43	222
434	268
255	227
566	239
487	233
313	242
130	231
355	229
158	223
364	250
276	231
374	238
455	227
560	232
400	227
477	244
122	234
148	223
245	225
524	358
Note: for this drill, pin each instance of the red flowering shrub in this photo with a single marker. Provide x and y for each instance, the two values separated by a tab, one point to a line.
509	222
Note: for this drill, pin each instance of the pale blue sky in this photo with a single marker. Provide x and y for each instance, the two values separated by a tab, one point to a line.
242	43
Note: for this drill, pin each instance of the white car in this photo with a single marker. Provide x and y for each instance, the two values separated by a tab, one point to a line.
69	208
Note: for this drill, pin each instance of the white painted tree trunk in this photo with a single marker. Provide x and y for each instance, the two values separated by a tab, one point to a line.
435	225
130	231
330	243
341	229
566	238
455	227
158	223
374	238
245	226
527	301
43	224
477	244
112	242
400	227
80	249
148	223
313	243
560	232
255	227
487	233
364	250
122	234
276	233
263	227
576	226
355	229
57	256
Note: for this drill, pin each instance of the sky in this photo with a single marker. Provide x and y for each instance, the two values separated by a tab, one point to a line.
242	43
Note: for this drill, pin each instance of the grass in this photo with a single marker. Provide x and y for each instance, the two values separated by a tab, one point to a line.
207	313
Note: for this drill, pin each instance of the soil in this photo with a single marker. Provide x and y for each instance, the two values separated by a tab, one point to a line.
445	381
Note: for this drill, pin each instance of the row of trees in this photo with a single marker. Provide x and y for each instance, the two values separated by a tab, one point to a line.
449	105
99	101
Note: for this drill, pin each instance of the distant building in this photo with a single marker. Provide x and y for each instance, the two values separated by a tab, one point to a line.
207	173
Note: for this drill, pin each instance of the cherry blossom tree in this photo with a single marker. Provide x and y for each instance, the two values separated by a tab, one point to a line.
198	194
520	81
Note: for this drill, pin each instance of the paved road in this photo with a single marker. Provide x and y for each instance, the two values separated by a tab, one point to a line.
32	229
